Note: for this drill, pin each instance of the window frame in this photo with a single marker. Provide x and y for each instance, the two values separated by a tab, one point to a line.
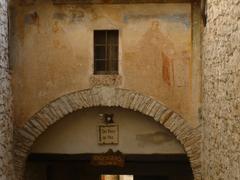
110	68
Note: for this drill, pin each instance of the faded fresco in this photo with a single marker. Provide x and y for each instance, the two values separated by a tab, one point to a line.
164	44
52	55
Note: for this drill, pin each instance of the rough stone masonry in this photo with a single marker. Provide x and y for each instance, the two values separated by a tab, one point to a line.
221	92
5	98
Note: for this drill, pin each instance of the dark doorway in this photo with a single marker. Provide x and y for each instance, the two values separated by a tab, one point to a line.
78	167
150	178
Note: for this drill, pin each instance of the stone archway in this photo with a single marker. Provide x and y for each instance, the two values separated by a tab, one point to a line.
112	97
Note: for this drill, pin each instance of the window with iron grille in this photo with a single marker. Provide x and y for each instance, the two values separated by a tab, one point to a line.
106	51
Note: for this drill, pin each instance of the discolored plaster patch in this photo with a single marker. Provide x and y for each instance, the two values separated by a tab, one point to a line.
60	16
76	15
105	80
159	137
71	14
32	18
27	2
57	28
173	18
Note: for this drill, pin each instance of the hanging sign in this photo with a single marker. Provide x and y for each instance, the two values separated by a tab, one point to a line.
109	158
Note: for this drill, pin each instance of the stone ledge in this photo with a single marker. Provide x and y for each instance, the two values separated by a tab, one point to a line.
105	80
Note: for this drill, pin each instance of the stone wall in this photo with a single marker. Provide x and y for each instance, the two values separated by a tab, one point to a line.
221	101
106	97
5	102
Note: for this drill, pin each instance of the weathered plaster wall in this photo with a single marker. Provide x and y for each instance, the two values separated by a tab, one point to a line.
78	133
6	163
52	53
221	110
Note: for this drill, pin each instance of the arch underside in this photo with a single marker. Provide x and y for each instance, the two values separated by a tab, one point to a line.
25	136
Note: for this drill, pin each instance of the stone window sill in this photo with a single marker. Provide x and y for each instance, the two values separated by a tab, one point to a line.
114	80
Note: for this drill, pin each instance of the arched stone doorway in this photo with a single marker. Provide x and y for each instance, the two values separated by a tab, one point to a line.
111	97
66	149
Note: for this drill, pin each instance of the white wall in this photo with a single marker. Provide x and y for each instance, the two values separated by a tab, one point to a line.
77	133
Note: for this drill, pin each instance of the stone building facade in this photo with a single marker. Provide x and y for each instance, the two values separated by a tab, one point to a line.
221	83
212	146
6	122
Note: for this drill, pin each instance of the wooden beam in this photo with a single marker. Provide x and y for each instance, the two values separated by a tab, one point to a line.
119	1
129	157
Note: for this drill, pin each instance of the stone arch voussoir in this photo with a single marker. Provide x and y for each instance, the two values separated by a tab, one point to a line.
25	136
